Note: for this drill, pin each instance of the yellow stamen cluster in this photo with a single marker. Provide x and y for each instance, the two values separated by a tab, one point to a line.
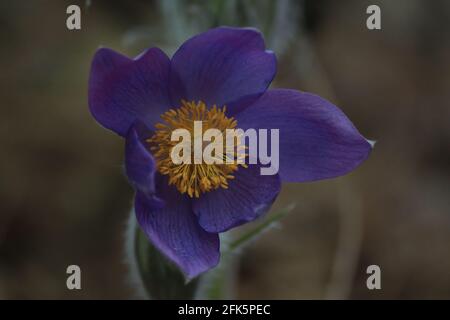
194	179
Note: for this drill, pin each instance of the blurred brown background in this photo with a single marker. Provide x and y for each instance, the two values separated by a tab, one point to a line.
64	199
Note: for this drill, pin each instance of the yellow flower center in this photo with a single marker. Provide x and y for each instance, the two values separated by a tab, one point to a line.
193	178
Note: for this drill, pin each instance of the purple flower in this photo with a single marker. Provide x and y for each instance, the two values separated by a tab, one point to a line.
183	208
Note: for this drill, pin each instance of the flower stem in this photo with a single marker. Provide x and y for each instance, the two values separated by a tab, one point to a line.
152	273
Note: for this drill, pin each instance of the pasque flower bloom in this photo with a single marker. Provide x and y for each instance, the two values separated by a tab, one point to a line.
183	208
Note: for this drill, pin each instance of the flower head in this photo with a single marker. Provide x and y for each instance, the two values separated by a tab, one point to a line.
219	78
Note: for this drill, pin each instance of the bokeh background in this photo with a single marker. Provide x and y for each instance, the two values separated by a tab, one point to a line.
64	199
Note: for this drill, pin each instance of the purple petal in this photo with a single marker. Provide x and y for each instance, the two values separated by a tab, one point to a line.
222	65
139	164
248	196
175	231
122	90
317	141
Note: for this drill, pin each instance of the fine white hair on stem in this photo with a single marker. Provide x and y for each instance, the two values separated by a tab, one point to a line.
134	277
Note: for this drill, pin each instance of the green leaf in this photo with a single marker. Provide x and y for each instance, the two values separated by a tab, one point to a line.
252	234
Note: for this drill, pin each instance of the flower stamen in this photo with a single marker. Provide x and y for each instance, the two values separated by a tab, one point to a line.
193	178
